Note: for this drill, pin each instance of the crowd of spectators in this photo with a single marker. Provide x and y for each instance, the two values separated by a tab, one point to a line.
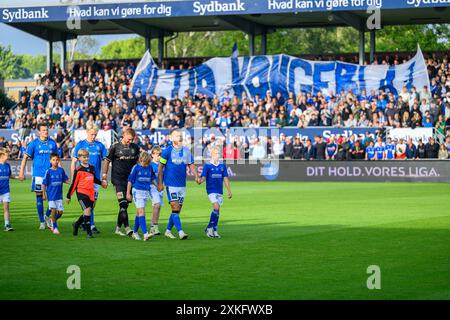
98	95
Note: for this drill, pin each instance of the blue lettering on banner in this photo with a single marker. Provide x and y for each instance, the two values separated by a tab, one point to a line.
345	73
307	69
176	83
411	75
154	82
361	78
257	79
238	76
388	82
318	70
206	83
191	82
282	76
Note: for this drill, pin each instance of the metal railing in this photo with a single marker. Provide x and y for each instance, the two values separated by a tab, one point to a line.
438	136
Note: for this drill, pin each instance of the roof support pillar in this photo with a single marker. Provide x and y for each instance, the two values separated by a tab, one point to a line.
251	43
50	51
373	45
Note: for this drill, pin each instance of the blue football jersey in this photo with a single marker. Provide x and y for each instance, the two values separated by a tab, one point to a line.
155	167
370	152
40	151
390	151
141	177
53	181
214	175
176	161
97	152
379	151
5	174
331	149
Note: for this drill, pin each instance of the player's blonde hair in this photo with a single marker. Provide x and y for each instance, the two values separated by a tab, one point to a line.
130	131
3	152
83	152
145	158
156	149
214	148
93	128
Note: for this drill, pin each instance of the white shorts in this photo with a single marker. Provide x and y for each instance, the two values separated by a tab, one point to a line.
36	184
96	190
176	194
157	197
215	198
56	204
6	197
140	198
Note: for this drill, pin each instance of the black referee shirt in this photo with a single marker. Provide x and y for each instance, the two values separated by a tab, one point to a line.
123	158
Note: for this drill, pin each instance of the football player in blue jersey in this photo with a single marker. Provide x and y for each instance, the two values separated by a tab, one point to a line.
97	156
332	149
173	164
5	175
380	149
157	197
215	173
370	151
389	149
39	151
52	189
138	190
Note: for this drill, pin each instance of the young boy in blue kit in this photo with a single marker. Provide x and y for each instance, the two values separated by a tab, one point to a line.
215	173
138	189
5	175
52	190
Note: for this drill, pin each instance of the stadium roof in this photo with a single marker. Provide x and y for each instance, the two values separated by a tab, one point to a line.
61	20
150	18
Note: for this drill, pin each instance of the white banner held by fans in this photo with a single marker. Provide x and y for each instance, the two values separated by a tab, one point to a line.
104	136
414	134
256	75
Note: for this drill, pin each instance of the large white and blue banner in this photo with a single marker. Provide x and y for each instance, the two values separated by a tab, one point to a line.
256	75
63	10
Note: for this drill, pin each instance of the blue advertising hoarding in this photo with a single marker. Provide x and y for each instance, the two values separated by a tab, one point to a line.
66	10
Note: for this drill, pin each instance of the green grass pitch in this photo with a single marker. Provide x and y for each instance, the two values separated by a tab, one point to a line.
279	240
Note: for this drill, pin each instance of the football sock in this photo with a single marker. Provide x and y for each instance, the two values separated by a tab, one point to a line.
170	225
136	224
92	217
40	208
48	212
87	223
143	224
119	219
211	219
58	215
177	221
6	222
80	220
125	219
216	219
55	225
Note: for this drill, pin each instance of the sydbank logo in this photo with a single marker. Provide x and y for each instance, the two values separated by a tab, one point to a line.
217	6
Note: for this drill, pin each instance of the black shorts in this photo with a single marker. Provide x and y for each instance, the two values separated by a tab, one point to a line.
85	201
121	191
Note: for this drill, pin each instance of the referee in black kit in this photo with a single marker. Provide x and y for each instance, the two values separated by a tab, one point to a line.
123	156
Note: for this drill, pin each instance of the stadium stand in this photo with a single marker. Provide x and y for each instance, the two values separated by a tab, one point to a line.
97	94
